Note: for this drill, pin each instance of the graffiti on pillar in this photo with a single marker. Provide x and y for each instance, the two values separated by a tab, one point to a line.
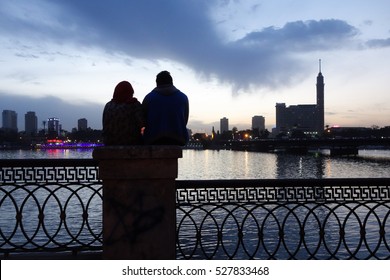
133	219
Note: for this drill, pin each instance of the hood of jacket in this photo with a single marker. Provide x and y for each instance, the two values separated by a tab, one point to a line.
166	89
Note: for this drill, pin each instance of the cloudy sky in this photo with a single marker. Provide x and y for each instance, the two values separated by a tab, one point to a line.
233	59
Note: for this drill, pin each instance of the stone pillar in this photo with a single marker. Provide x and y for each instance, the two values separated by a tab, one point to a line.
139	213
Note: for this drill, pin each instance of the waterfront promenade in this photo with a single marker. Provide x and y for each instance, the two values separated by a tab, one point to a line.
55	207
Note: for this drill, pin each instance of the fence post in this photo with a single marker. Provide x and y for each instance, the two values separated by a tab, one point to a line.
139	213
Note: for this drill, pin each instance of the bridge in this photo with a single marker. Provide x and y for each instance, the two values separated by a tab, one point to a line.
337	146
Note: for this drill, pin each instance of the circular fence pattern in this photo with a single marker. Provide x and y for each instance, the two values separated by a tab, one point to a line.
56	205
50	217
293	230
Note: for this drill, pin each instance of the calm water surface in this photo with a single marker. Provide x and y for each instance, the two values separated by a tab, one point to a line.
223	164
212	164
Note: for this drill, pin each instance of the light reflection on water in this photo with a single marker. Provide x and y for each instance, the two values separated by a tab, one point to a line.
198	165
46	153
212	164
223	164
332	230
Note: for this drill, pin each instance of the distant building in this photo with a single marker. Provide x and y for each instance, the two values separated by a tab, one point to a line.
30	123
296	117
10	120
82	124
224	125
53	126
308	119
258	122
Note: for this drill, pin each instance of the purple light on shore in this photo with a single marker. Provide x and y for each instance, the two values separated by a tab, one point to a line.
65	145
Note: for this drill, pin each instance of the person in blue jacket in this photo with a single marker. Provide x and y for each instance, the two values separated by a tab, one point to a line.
166	111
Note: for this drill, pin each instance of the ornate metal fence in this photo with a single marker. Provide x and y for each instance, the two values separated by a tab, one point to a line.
50	205
56	205
284	219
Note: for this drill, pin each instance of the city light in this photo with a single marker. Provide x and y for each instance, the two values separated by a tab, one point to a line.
60	144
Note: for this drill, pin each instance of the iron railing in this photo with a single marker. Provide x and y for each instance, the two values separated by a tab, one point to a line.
50	206
284	219
56	205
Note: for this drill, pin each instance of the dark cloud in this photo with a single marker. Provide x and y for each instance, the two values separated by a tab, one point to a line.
378	43
49	107
302	36
183	31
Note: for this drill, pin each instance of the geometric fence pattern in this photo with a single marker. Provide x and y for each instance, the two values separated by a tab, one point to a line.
56	205
50	205
55	217
283	190
283	219
48	170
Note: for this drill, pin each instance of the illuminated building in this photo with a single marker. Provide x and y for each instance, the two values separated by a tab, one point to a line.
53	126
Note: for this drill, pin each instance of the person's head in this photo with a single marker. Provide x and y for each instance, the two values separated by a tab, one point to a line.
123	92
164	78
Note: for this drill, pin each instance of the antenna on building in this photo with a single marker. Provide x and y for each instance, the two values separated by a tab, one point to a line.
320	65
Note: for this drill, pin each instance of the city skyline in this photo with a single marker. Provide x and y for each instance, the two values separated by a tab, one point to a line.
307	118
232	58
29	123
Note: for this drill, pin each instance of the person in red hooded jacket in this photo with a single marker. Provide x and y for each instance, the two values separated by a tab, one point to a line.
123	117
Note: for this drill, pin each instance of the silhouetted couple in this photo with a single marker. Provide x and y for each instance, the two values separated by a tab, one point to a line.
161	119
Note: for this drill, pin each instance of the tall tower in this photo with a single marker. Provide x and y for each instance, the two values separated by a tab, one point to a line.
320	102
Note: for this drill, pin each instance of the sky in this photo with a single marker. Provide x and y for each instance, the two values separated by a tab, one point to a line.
232	58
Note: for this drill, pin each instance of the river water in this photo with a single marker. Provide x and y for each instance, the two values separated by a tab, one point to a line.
225	164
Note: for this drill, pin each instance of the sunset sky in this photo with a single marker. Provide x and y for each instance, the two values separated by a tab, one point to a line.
233	59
